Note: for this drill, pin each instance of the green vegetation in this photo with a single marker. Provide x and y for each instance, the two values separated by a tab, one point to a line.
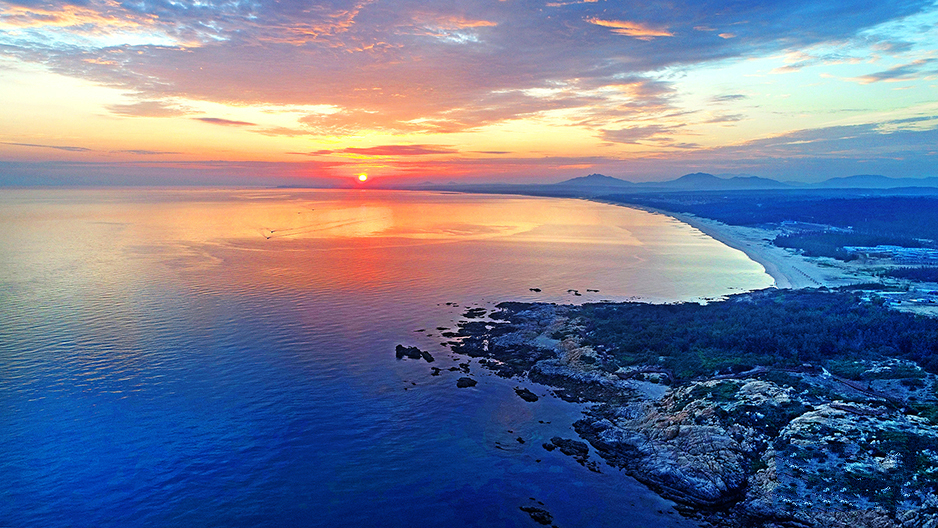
908	221
920	274
778	328
831	244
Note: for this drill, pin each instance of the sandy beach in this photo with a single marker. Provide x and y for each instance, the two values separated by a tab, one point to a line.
786	267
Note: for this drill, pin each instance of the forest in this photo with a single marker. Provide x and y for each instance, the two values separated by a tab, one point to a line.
907	221
777	328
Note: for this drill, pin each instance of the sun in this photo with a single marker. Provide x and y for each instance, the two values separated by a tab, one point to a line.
362	177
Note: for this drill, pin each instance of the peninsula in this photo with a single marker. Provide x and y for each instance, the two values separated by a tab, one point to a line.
770	408
814	403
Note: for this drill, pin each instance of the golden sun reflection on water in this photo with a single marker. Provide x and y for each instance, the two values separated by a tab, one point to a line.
328	240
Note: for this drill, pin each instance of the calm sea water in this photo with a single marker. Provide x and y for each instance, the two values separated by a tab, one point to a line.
226	358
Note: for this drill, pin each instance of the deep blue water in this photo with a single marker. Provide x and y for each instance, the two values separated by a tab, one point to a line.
161	366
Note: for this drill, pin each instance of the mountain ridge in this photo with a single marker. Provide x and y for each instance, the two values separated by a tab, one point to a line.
702	181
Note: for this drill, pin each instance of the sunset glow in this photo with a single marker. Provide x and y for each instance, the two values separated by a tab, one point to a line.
296	93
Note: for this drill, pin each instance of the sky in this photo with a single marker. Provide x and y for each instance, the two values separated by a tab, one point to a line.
264	92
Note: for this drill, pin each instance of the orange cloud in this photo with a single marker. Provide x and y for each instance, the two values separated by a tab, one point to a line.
631	29
386	150
457	22
223	122
302	33
69	16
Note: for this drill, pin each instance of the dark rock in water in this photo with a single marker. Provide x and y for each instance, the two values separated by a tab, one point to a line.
580	451
409	352
539	515
434	371
464	382
474	313
535	290
525	394
571	447
549	447
413	353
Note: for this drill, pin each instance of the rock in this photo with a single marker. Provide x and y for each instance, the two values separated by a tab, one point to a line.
474	313
525	394
464	382
570	447
409	352
412	353
539	515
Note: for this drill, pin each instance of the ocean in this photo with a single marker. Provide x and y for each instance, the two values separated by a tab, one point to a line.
213	357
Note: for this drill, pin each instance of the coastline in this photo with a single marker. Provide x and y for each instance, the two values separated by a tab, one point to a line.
765	446
789	270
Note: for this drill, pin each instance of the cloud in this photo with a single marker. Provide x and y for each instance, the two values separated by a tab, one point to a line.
393	65
147	109
633	135
56	147
214	173
729	98
385	150
631	29
223	122
410	67
725	118
799	60
857	143
145	152
902	72
399	150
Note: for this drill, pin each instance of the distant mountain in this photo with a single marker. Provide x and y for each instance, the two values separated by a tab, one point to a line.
698	181
593	181
701	181
599	184
875	181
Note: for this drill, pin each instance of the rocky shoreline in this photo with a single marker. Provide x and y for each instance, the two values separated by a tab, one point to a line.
765	446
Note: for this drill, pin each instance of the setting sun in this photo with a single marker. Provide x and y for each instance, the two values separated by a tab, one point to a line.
362	177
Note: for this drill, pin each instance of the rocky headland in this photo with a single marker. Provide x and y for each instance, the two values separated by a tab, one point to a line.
740	430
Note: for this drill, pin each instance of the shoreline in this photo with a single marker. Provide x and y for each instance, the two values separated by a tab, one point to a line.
787	269
731	448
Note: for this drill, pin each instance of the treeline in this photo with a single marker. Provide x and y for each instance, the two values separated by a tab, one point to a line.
781	328
831	244
921	274
906	217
